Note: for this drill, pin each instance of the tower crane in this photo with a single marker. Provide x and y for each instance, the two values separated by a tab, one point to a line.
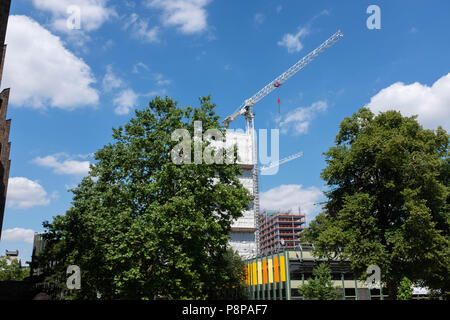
246	109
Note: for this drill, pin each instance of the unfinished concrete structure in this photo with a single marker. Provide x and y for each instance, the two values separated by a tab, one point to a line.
242	237
5	125
278	230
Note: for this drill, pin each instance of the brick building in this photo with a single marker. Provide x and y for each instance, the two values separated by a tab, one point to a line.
4	124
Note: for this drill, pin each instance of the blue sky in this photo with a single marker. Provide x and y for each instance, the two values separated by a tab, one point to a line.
70	87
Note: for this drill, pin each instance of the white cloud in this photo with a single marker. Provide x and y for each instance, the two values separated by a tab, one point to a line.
431	104
259	18
110	80
42	72
299	119
84	156
108	45
291	197
292	41
24	193
160	80
154	93
140	66
69	166
189	15
125	101
18	235
140	30
127	98
93	13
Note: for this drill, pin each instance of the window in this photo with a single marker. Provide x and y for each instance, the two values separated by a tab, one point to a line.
350	292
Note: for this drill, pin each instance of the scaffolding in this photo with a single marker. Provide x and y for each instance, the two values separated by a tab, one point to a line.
279	230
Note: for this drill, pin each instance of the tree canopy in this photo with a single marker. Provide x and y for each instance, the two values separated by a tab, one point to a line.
143	227
10	270
405	290
388	200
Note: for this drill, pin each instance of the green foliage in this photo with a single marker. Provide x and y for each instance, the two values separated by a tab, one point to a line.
405	290
10	270
233	286
142	227
388	200
321	286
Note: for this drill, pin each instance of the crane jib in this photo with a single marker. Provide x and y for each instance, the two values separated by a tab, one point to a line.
243	109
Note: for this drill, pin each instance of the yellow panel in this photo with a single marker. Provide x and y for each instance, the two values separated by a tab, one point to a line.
249	274
282	269
254	277
259	272
270	270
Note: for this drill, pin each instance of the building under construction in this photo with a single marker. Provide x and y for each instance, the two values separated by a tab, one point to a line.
245	236
243	230
279	230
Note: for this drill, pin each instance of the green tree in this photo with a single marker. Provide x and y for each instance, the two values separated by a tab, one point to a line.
233	287
143	227
10	270
405	290
321	286
388	200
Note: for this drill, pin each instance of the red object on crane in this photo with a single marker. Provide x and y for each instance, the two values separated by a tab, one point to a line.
277	85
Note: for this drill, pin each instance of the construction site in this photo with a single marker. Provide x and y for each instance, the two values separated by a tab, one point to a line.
256	233
361	214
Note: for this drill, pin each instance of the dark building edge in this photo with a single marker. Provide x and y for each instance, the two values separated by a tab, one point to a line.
5	125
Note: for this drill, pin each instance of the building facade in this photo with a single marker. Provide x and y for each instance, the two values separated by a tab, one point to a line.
278	276
279	229
242	236
5	125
